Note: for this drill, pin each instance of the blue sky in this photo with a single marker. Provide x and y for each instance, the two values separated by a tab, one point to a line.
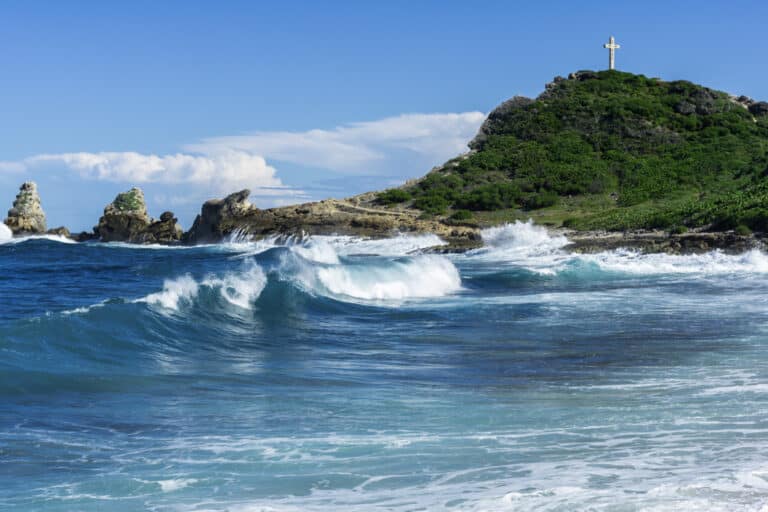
305	100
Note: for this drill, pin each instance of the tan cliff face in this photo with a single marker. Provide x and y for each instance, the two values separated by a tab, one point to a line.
27	215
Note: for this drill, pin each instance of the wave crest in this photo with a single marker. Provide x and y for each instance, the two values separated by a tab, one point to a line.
419	277
238	289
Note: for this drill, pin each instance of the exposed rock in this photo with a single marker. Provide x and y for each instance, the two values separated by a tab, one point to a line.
759	108
164	231
60	231
685	107
126	220
219	217
499	113
661	241
223	217
26	216
85	236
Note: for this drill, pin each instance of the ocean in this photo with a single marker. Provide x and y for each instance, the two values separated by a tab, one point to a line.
340	374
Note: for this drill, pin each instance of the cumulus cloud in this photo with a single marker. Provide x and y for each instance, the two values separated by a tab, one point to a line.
385	151
221	171
360	148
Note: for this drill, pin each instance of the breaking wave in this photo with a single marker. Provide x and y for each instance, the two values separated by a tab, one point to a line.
6	235
533	248
239	289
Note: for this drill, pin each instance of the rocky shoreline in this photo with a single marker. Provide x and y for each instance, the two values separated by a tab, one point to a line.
126	220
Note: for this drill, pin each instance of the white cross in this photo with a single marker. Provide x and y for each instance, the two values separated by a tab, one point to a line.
612	47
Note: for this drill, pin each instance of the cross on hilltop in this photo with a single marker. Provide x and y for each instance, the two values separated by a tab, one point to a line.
612	47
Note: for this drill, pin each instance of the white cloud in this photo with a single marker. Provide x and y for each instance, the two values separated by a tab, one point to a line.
222	171
393	148
360	148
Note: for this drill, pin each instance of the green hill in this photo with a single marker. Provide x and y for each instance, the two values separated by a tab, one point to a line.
609	150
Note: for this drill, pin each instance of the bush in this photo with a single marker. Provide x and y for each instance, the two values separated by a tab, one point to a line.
433	204
678	230
494	196
542	200
461	215
742	230
393	196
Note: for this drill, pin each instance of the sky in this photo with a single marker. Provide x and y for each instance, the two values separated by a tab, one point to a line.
300	101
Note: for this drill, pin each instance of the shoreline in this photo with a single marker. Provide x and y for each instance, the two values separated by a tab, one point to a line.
584	242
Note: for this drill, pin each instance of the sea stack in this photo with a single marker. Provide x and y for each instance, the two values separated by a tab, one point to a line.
27	215
218	217
126	220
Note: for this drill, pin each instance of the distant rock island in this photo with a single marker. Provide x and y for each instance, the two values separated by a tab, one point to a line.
616	159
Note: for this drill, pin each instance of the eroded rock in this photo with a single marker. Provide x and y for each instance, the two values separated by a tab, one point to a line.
126	220
27	215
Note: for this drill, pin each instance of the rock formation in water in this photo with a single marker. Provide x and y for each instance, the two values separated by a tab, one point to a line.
126	220
220	218
27	215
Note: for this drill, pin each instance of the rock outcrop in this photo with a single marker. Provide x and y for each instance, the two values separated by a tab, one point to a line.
126	220
220	218
27	215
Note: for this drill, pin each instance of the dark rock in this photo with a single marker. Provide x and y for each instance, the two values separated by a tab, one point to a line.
126	220
85	236
218	217
494	118
685	107
582	76
759	109
60	231
27	215
164	231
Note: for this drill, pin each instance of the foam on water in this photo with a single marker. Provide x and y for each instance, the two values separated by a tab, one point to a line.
399	245
715	262
6	235
240	289
51	238
532	247
417	277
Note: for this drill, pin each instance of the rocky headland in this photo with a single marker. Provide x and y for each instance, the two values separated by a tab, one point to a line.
611	159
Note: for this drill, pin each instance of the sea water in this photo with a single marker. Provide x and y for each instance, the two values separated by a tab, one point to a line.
340	374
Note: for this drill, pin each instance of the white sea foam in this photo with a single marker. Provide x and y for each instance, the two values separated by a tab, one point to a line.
532	247
51	238
417	277
714	262
523	244
181	289
6	235
399	245
317	250
239	289
520	239
175	484
328	249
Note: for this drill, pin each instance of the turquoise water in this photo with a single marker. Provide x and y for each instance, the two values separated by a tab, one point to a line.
339	374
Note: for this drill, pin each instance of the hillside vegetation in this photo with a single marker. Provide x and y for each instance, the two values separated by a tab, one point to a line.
609	150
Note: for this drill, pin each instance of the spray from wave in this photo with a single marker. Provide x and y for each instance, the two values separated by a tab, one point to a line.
239	289
532	247
420	277
6	235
